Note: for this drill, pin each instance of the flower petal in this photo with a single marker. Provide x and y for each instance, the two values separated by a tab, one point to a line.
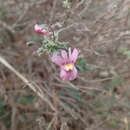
73	74
74	55
69	51
44	32
64	54
36	27
64	75
40	30
57	60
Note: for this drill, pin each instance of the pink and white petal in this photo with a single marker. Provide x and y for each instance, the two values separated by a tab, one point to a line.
69	51
64	75
74	55
57	60
73	74
37	27
45	32
64	54
39	30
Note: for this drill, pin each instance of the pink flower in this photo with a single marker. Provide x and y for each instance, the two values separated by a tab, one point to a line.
66	63
38	29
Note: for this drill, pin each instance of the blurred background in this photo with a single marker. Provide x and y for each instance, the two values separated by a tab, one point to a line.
99	99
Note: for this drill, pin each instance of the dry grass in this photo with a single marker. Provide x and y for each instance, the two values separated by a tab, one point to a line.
33	97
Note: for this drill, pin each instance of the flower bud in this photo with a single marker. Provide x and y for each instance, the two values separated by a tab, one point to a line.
40	30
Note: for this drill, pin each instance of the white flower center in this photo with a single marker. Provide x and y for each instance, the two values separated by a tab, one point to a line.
69	67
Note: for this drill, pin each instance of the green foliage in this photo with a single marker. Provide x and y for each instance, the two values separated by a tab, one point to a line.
82	66
56	36
2	103
114	123
51	45
103	104
3	14
25	100
104	107
66	4
5	114
48	44
75	94
115	83
127	53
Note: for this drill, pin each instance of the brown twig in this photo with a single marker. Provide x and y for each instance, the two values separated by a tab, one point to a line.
13	119
53	11
6	26
31	86
88	3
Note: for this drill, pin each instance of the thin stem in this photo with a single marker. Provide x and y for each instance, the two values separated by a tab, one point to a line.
31	86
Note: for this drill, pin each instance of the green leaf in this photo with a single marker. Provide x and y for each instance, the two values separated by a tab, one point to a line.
72	93
52	46
25	100
75	94
81	65
56	36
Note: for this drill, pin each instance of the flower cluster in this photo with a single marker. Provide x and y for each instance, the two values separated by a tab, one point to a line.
65	58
